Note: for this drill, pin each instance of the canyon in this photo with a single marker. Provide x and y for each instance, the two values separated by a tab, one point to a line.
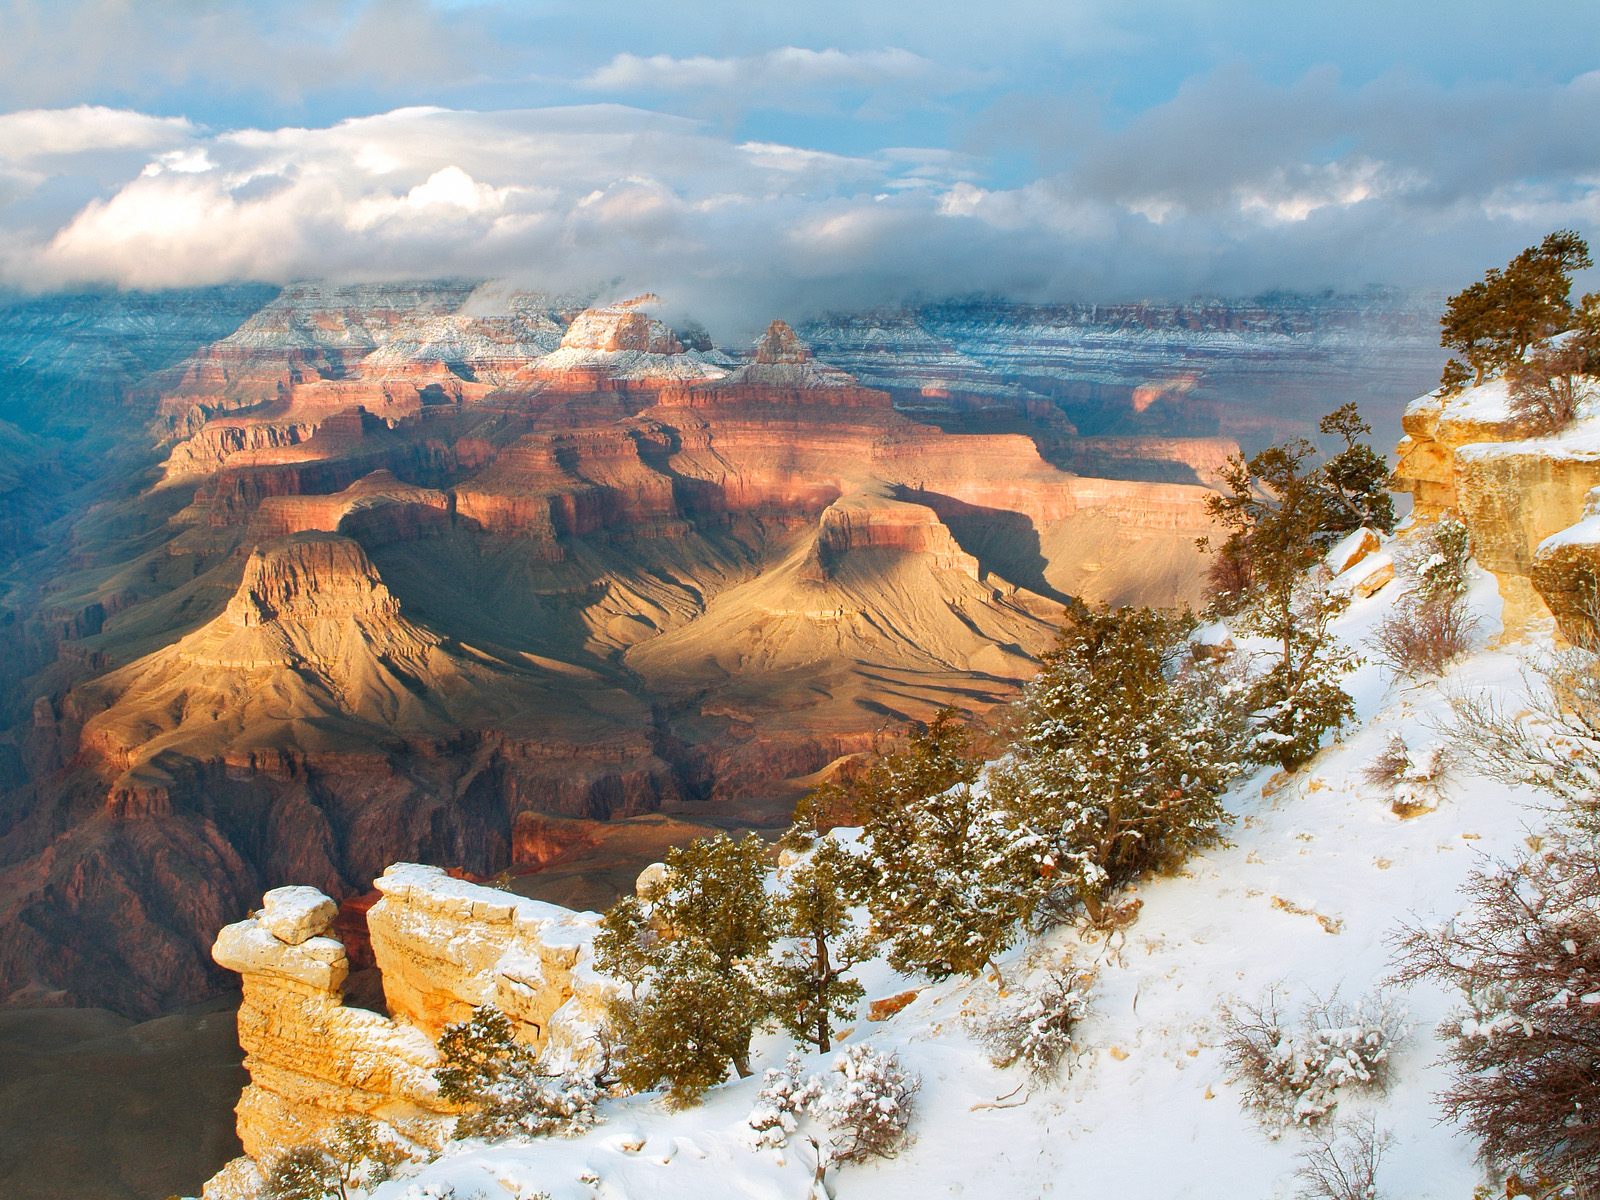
500	580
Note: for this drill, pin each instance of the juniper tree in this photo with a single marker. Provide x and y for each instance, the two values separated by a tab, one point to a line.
1120	756
811	985
694	952
1491	324
952	876
1281	509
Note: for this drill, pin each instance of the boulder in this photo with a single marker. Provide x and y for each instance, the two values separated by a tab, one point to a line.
295	914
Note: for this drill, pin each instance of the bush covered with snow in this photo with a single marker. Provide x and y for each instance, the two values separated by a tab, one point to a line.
1033	1027
787	1094
869	1105
864	1107
1526	1049
1295	1073
505	1084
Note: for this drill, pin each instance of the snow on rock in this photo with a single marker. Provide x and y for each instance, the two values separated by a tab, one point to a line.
446	946
1366	575
293	914
1352	548
1467	454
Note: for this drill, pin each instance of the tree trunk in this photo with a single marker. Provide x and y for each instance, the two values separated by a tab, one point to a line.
824	973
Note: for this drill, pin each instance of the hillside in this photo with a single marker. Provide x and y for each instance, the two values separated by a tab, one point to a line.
1320	872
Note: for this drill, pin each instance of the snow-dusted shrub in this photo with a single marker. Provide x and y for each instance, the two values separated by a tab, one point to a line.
355	1153
1033	1027
1294	1074
1343	1161
1411	779
868	1106
1553	744
1436	562
1525	1052
786	1096
506	1085
1548	386
1423	638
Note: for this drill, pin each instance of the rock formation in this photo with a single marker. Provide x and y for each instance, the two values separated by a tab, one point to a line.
1469	455
442	947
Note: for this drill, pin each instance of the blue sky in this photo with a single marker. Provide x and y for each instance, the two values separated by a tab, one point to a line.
810	153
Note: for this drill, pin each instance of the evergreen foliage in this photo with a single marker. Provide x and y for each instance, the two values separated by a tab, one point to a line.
952	877
352	1154
1282	509
695	953
1120	756
1491	324
810	984
505	1083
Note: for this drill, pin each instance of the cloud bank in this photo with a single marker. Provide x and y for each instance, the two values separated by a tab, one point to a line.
1234	185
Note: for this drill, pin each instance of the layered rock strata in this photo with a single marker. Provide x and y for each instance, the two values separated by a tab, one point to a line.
442	947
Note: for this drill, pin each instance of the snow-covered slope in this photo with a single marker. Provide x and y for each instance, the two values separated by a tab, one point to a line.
1319	874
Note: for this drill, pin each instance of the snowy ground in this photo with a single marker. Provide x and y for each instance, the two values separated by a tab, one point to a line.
1317	877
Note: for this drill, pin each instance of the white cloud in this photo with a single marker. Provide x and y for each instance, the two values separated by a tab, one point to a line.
36	134
568	198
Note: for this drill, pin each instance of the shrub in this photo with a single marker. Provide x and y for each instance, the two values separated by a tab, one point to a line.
869	1107
1033	1028
355	1152
1342	1163
1547	387
1295	1075
1424	638
1524	1052
505	1083
786	1096
1553	746
1436	562
1412	780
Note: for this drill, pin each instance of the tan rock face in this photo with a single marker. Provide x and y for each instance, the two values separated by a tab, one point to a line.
1468	455
443	947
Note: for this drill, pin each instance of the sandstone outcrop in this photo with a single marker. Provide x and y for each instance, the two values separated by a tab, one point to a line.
443	947
1469	455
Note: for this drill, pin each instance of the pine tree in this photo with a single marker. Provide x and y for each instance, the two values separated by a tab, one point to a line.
1121	755
1491	324
810	981
695	954
1300	699
304	1173
952	877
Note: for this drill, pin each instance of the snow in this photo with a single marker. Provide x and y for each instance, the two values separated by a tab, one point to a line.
1306	898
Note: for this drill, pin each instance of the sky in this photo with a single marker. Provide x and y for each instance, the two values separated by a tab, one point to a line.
786	157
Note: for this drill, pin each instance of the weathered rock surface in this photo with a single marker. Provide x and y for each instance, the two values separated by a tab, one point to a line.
443	947
1467	454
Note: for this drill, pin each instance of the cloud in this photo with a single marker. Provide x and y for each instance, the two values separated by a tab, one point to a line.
57	51
789	74
1234	185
